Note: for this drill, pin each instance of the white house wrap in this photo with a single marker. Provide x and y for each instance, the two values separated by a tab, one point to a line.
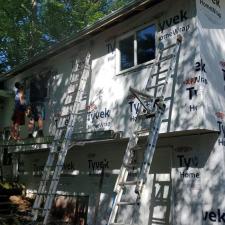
186	179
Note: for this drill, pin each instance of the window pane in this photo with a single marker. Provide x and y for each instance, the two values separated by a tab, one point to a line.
146	44
39	87
126	53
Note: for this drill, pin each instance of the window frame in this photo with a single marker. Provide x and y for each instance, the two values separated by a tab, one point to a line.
126	35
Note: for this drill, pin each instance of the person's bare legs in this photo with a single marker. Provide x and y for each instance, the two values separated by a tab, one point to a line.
30	128
16	131
40	126
12	131
40	123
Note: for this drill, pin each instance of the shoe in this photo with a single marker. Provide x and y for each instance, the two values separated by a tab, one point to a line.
12	138
40	133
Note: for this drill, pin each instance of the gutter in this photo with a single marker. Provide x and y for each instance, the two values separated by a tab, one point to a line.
113	18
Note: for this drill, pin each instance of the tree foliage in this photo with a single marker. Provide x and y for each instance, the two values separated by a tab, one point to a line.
28	26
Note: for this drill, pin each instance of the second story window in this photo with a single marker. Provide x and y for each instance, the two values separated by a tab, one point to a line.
137	48
39	86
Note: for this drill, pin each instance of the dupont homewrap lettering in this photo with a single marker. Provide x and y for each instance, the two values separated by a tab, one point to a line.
212	8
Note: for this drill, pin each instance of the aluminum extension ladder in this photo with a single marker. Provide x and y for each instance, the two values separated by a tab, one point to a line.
154	113
49	182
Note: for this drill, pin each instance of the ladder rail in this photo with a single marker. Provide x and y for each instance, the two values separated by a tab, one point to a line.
43	183
149	152
55	178
46	173
171	66
123	174
133	140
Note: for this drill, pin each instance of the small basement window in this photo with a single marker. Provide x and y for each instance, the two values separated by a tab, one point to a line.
137	48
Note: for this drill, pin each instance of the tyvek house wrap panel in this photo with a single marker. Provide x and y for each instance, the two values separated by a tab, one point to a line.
211	25
110	90
211	29
107	103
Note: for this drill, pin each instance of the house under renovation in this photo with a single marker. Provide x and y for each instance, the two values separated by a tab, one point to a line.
134	119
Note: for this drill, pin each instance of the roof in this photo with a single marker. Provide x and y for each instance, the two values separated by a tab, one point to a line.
113	18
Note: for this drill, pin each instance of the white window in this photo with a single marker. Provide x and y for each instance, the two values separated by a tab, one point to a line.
137	48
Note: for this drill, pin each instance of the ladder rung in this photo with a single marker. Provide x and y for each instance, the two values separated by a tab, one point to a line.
74	81
144	131
70	103
163	71
155	86
85	67
62	127
137	147
46	180
75	91
168	47
55	179
146	115
54	151
132	170
162	78
42	194
128	203
165	58
72	92
167	99
69	114
44	183
37	208
118	224
63	116
129	166
132	182
162	182
59	165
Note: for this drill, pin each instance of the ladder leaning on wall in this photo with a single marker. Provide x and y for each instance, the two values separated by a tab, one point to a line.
61	142
154	113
